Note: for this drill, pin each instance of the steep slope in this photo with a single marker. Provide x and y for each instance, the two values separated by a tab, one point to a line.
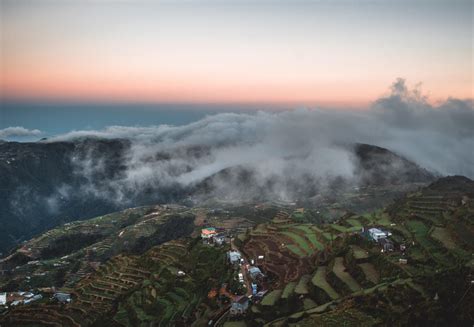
45	183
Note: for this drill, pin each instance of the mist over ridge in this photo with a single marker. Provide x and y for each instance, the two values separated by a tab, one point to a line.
284	148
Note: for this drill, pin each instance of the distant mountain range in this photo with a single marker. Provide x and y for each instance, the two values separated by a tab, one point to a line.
42	185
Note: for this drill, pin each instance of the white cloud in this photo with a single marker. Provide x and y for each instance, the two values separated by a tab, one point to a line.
18	131
282	150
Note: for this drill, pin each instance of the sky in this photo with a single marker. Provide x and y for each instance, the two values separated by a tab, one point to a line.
279	53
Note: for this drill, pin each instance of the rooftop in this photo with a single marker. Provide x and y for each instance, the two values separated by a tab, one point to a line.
208	231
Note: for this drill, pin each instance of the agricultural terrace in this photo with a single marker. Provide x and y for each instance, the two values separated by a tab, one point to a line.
148	285
289	249
359	268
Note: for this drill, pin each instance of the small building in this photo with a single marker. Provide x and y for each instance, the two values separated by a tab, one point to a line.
239	305
3	298
234	257
241	277
255	272
33	299
219	239
376	234
386	244
254	289
181	273
402	261
207	233
62	297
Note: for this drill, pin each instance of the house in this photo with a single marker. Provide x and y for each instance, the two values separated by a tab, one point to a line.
219	239
34	298
3	298
62	297
181	273
241	278
254	289
207	233
234	257
402	261
376	234
239	305
255	272
386	244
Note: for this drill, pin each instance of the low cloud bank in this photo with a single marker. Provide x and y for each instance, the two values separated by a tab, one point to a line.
282	149
18	131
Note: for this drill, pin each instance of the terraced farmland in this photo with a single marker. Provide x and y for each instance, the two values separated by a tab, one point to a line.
94	296
340	271
148	286
289	249
319	280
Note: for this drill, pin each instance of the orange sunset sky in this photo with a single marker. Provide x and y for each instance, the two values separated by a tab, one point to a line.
328	53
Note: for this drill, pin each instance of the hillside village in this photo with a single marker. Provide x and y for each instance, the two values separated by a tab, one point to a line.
263	264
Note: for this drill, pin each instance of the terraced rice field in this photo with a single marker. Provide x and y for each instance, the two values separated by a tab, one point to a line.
288	290
359	253
340	271
302	286
319	280
354	222
288	248
271	298
371	274
94	294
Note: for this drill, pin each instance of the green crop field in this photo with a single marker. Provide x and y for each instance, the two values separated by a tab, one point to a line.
371	274
271	298
328	236
315	242
310	234
288	290
319	280
339	271
417	227
302	287
359	253
354	222
303	244
296	250
339	228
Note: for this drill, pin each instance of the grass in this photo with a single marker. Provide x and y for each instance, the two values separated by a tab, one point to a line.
319	280
271	298
339	271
